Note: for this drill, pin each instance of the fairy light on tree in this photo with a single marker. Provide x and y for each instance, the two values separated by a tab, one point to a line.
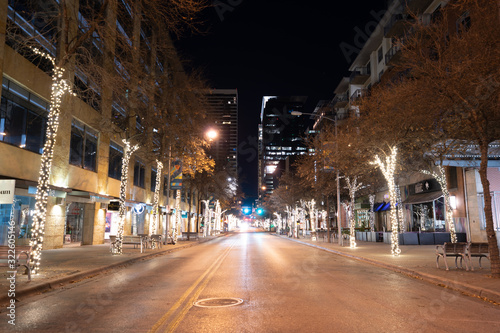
353	187
441	178
59	88
371	197
156	199
127	153
388	168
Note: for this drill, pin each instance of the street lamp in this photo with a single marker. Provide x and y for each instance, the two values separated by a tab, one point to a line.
339	224
211	134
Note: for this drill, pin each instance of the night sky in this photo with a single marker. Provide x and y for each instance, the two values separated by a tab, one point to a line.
264	47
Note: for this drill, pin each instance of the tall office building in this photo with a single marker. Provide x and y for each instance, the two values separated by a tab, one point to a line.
223	111
280	137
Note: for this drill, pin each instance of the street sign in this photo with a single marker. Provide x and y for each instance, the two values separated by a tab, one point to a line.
7	187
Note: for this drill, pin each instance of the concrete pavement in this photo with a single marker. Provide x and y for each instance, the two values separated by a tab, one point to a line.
418	261
68	265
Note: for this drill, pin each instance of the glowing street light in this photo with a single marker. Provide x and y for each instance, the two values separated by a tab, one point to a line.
211	134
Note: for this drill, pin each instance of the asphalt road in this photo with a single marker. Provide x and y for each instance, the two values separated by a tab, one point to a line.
283	286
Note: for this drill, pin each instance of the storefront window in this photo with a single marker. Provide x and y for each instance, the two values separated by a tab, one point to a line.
23	218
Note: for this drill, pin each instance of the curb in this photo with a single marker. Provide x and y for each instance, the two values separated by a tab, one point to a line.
484	294
59	282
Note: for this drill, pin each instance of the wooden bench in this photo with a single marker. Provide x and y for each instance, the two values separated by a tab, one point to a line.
457	250
479	250
13	258
131	240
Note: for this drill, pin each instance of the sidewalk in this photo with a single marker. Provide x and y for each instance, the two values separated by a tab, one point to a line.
69	264
418	261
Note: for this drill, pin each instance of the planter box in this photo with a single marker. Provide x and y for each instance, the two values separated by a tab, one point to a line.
371	236
410	238
387	237
441	237
426	238
363	236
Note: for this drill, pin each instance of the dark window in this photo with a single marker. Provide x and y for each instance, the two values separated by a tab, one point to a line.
452	177
83	146
380	54
115	161
139	172
87	91
153	180
23	118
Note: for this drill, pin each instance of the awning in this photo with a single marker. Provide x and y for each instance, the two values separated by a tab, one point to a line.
423	197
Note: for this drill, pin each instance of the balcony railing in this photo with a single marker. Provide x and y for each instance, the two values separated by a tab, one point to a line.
359	75
339	98
358	93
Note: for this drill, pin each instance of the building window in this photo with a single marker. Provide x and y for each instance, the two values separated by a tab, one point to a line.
115	161
380	54
153	179
83	146
139	172
23	117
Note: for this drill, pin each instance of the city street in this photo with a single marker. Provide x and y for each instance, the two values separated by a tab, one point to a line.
284	286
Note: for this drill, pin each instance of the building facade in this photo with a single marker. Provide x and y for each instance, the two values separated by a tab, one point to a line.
421	196
223	112
86	169
281	138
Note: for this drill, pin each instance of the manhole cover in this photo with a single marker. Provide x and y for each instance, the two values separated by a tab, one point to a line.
218	302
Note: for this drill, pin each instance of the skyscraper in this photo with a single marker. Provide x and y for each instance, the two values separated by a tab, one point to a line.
280	137
223	111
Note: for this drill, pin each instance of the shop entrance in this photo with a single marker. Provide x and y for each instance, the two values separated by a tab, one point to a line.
73	227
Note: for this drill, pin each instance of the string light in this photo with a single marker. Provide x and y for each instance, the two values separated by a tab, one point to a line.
59	88
388	169
371	197
441	178
127	153
217	215
178	215
156	199
353	188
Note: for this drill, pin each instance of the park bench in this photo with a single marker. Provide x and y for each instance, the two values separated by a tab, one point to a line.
131	240
156	241
457	250
192	235
479	250
21	256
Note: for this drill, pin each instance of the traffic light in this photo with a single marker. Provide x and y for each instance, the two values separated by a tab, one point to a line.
260	211
247	210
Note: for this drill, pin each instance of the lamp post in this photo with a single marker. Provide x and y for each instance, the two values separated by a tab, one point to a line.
339	220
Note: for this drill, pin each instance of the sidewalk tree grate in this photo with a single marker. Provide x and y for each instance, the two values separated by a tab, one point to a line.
218	302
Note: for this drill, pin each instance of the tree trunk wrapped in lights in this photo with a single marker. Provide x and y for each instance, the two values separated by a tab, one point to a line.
441	178
59	88
178	216
218	216
388	169
154	222
353	187
371	197
127	153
